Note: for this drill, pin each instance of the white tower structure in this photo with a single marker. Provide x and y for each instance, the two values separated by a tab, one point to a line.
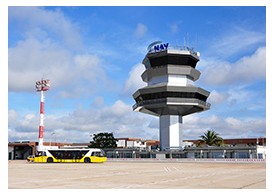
170	92
41	86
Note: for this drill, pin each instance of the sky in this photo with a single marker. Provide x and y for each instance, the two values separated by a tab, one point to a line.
92	56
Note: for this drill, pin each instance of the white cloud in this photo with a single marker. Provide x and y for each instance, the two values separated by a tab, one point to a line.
119	108
216	97
79	124
227	127
24	124
236	40
141	30
47	49
245	127
30	60
252	67
246	70
49	23
239	98
98	102
240	95
134	80
123	122
12	115
50	48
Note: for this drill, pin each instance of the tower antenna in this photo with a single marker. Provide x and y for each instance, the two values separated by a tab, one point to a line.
187	39
184	44
197	44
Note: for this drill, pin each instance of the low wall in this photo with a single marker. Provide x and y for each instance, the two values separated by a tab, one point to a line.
187	160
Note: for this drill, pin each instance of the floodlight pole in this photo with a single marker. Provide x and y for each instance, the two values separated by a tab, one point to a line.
42	86
41	126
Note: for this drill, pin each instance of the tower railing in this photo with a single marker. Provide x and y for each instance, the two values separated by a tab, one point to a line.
175	100
181	48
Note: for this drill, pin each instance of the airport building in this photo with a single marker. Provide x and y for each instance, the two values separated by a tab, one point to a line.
250	148
22	149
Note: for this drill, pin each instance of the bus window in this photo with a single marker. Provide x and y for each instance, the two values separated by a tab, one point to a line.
39	154
99	154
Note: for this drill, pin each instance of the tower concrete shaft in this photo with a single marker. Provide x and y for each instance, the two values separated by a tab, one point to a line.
171	92
170	133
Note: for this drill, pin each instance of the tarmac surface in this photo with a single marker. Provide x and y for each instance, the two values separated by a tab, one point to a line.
137	175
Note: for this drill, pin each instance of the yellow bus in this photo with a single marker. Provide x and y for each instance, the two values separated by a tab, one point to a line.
89	155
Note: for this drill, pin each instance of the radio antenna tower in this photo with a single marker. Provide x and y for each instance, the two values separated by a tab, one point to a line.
41	86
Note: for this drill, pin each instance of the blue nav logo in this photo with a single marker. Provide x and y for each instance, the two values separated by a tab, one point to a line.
157	46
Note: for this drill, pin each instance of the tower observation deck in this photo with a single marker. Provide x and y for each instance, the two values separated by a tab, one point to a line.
170	92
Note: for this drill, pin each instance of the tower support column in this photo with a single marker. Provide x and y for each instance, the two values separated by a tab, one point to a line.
170	131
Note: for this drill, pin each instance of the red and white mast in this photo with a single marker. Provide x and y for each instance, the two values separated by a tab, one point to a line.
41	86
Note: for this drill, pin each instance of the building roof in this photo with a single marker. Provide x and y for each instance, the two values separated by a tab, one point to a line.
239	141
131	139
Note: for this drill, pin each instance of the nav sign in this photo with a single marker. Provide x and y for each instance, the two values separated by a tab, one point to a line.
157	46
161	47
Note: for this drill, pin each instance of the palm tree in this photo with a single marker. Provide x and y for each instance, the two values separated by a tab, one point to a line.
211	138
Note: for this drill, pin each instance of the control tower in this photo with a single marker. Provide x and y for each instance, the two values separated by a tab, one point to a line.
170	92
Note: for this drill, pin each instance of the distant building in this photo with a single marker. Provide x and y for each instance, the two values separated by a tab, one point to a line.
244	148
245	152
22	149
137	143
238	141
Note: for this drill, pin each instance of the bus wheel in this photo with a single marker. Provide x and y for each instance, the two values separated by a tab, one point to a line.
87	160
50	160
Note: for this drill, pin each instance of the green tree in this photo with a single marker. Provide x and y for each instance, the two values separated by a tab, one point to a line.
211	138
103	140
